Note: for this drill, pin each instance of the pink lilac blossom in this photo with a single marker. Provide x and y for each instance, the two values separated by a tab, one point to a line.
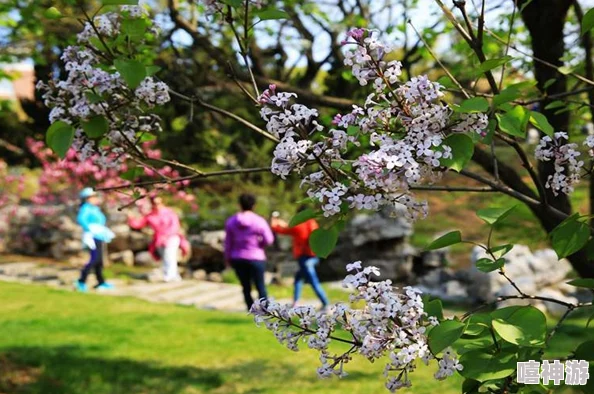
390	323
565	158
405	124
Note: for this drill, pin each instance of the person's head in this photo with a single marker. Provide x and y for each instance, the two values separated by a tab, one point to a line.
88	195
247	201
156	202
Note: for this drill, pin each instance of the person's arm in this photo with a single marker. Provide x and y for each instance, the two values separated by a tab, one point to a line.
277	228
84	219
267	235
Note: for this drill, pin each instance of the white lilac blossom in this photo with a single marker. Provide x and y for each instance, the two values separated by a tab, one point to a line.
391	323
565	158
405	124
91	89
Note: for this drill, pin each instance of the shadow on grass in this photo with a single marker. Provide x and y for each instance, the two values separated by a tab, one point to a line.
68	370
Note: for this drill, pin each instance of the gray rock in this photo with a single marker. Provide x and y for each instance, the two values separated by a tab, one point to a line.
455	292
144	259
553	308
207	251
125	257
379	239
199	275
215	277
121	242
139	240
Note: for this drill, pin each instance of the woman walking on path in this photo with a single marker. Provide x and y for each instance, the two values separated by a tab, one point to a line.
246	236
95	235
167	237
305	256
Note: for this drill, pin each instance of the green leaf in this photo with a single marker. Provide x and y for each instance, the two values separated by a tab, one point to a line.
585	351
514	121
132	174
493	63
146	137
565	70
588	283
152	70
523	326
134	28
474	104
270	14
93	98
548	83
233	3
52	13
446	82
443	335
488	265
462	151
59	137
322	241
541	122
451	238
132	71
555	104
434	308
493	216
502	250
569	236
302	217
482	366
470	386
588	21
506	95
119	2
96	127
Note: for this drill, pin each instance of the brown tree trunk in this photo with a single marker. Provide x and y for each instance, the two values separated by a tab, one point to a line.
545	20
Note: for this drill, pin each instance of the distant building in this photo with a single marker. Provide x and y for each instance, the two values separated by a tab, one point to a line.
22	85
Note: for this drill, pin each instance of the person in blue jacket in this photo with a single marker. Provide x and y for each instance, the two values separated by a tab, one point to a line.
95	234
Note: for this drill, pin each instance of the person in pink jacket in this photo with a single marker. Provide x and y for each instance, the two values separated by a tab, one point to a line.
246	236
167	238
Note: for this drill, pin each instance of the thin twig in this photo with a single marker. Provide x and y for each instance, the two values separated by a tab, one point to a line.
190	178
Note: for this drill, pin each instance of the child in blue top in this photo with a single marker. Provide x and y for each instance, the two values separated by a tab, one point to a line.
95	234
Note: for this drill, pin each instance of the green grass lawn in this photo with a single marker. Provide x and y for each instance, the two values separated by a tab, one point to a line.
53	341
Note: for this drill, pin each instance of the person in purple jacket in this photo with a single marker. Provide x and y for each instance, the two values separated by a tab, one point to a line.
246	236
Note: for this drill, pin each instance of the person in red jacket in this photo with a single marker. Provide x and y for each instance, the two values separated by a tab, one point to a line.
305	256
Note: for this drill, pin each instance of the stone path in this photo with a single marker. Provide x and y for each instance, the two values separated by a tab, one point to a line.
201	294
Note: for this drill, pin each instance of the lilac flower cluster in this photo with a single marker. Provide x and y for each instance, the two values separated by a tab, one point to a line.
565	157
390	323
93	87
405	125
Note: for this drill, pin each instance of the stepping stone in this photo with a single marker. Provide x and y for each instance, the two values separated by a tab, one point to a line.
44	274
190	290
17	269
149	291
232	303
210	297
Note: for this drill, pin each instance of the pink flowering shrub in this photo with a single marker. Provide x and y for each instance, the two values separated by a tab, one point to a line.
61	180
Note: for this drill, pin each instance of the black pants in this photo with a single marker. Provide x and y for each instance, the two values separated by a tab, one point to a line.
249	271
95	263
